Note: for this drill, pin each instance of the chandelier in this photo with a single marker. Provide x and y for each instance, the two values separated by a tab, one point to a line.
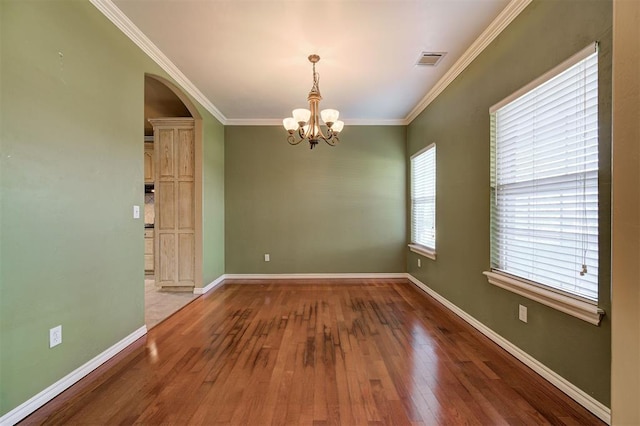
305	122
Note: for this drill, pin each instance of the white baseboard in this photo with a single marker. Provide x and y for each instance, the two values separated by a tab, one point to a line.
218	281
213	284
37	401
362	276
600	410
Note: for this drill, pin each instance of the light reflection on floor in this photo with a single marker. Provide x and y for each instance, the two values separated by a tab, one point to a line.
424	368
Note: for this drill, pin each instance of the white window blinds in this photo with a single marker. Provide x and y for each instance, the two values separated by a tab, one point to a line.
545	180
423	198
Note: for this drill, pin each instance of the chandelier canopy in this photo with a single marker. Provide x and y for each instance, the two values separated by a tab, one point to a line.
305	122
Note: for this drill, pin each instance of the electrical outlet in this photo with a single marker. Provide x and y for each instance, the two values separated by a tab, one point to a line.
55	336
266	257
522	313
419	263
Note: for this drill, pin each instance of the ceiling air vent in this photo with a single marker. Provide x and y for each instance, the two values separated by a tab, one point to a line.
430	58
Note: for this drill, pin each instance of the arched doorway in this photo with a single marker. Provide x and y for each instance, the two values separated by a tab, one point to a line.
166	103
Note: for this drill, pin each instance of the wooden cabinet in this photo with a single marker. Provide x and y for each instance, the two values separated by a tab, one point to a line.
174	150
149	260
148	251
148	162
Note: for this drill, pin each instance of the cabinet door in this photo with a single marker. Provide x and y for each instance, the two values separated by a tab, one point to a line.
148	246
149	260
175	204
148	263
148	163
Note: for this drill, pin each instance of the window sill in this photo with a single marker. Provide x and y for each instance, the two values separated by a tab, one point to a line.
573	306
423	251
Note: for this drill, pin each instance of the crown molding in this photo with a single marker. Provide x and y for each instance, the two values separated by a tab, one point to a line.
254	122
375	122
120	20
278	122
505	17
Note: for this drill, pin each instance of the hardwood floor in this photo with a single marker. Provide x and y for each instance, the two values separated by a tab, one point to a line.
365	352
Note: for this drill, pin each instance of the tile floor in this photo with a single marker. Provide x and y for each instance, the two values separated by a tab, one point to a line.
160	305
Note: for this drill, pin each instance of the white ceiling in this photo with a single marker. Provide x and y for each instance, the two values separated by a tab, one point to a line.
249	58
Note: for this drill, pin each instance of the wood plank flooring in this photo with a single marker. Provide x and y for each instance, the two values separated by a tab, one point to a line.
361	352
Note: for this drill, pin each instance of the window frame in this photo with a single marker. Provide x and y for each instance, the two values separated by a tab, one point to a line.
418	247
567	302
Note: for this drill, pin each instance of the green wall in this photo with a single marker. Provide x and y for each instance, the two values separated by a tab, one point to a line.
212	199
544	35
71	168
331	209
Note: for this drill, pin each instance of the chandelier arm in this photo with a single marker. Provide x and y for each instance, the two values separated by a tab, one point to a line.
292	140
332	140
321	134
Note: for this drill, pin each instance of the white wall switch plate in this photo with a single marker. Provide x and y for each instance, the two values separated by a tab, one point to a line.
136	212
522	313
55	336
419	263
267	258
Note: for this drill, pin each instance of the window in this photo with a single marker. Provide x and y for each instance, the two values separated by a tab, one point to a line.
423	202
544	182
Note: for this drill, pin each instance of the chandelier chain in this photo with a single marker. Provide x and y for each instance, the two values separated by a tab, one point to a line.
316	80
